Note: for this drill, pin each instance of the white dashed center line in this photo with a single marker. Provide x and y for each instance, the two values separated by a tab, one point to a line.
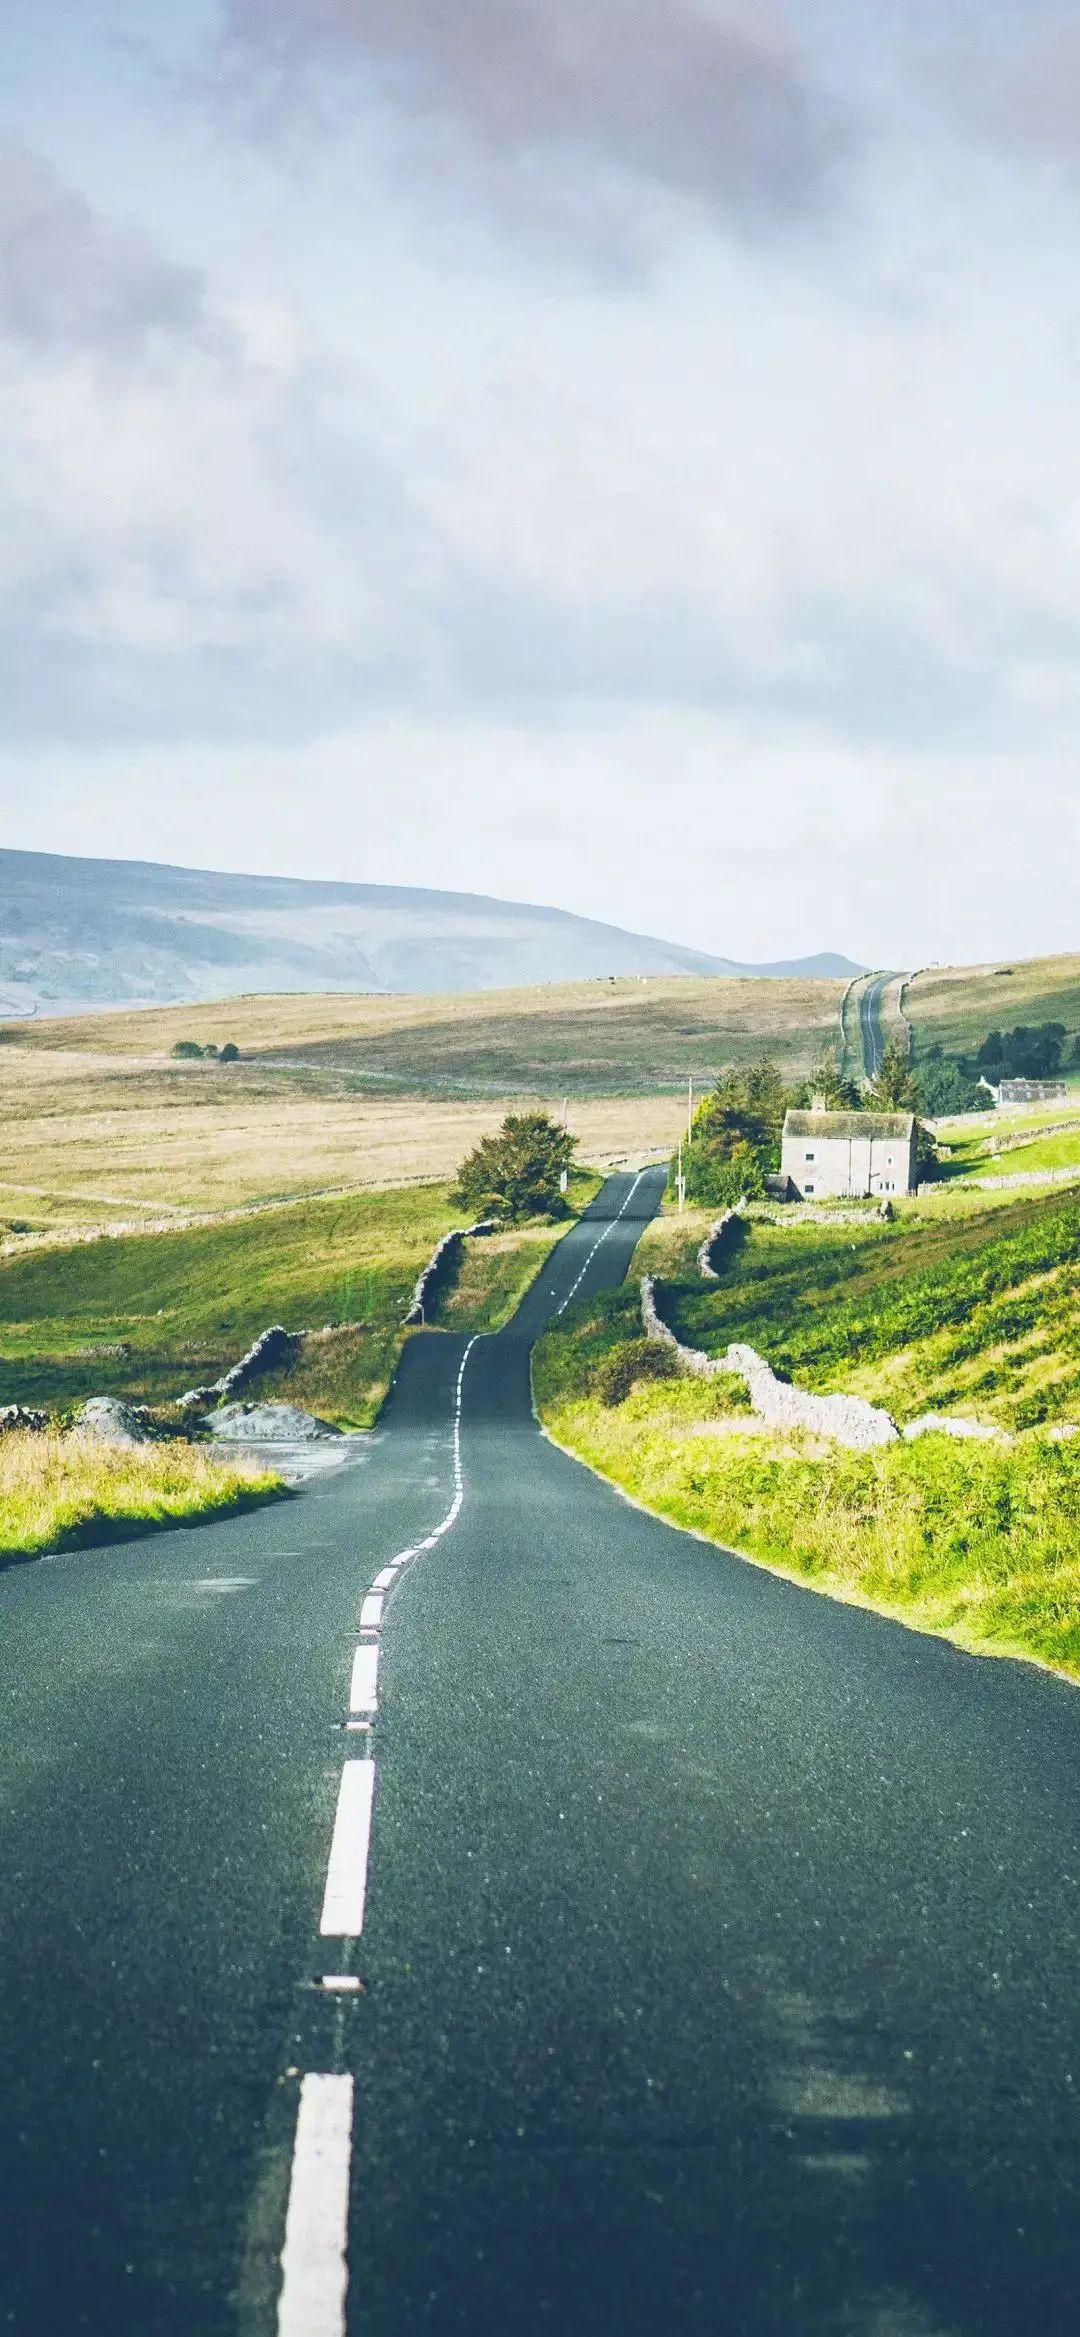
598	1245
346	1876
363	1689
313	2258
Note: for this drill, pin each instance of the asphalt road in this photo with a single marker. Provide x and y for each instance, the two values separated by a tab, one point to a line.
871	1036
719	1951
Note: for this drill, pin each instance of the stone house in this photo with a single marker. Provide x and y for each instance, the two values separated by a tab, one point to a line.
844	1155
1030	1091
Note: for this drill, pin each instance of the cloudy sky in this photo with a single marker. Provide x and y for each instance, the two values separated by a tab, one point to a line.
620	453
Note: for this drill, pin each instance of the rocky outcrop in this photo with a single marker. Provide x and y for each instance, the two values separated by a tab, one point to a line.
271	1347
21	1416
270	1424
110	1421
443	1259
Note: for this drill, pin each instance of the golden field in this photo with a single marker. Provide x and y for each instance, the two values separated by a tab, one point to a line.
101	1126
90	1139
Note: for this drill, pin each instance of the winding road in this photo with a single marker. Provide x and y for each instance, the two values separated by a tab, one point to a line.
703	1953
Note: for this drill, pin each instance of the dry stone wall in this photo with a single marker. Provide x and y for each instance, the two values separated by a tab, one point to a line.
445	1255
1057	1176
714	1242
846	1420
265	1353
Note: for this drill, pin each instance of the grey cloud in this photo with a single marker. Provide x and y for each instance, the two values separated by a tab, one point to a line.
68	276
518	98
1016	83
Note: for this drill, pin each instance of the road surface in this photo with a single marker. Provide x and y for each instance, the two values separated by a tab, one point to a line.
718	1954
871	1035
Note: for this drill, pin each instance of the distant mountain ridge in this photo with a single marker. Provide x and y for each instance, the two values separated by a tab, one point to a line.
77	934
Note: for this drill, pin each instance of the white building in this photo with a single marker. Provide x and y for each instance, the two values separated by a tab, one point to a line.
838	1155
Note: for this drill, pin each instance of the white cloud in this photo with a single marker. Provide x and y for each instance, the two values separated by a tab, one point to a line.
367	522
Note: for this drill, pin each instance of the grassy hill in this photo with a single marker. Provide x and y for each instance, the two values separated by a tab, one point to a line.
958	1005
976	1313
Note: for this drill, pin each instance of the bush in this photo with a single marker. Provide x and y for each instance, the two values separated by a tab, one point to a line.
230	1053
519	1172
188	1051
633	1360
715	1183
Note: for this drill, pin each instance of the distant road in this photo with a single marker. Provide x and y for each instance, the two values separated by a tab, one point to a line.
872	1039
707	1967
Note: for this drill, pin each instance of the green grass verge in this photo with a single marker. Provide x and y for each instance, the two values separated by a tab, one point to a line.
979	1543
66	1492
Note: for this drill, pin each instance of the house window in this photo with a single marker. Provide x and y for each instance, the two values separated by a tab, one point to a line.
808	1188
808	1156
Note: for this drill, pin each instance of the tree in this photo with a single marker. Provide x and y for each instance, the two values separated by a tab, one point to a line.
517	1173
893	1089
946	1086
230	1052
1031	1051
837	1093
188	1051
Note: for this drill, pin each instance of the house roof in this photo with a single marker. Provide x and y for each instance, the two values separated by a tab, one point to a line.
845	1124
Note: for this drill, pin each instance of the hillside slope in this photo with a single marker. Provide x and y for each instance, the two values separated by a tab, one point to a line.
76	934
958	1005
